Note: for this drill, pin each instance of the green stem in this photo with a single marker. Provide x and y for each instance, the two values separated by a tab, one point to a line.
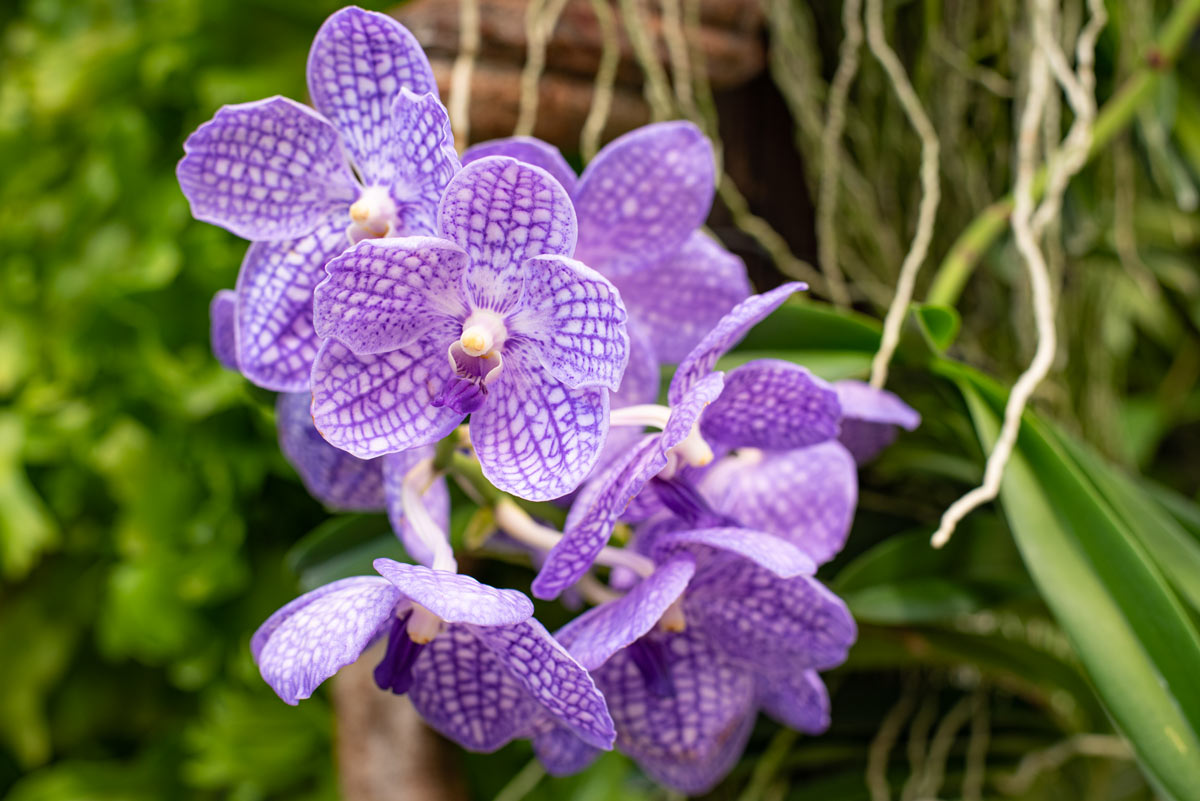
959	263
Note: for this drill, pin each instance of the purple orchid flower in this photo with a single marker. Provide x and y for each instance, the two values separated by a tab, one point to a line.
729	622
474	662
286	177
641	203
493	319
763	404
870	417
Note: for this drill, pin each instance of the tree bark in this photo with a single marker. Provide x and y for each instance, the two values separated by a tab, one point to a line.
385	751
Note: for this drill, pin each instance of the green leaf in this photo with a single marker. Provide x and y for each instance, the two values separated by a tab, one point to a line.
803	325
343	546
1173	549
1131	633
939	324
832	365
919	600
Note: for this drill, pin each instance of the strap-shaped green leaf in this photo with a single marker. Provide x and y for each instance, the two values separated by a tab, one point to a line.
1131	632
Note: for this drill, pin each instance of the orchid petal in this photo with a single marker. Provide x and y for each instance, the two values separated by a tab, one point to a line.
332	476
456	598
372	405
277	343
384	293
359	62
267	170
321	632
529	150
503	212
772	404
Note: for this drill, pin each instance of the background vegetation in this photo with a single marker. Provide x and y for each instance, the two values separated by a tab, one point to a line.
148	522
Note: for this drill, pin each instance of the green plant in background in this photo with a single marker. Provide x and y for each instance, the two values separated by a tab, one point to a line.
141	487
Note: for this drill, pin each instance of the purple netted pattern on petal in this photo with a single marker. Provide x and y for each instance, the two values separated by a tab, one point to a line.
870	417
456	598
359	62
383	294
503	212
806	496
778	556
574	319
332	476
772	404
595	636
436	500
529	150
643	195
266	170
276	340
422	162
461	689
797	699
223	333
592	516
559	750
774	623
372	405
536	438
555	680
321	632
727	333
679	298
681	737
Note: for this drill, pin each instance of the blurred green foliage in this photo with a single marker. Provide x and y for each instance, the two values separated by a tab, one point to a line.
148	522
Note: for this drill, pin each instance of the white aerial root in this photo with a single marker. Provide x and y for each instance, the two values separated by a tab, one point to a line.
831	151
540	18
930	191
1028	224
606	76
460	73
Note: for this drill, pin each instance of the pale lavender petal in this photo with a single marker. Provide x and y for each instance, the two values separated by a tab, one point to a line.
727	333
870	417
575	321
772	404
385	293
461	689
422	161
774	624
321	632
529	150
596	635
456	598
359	62
266	170
372	405
642	375
776	555
682	296
559	750
503	212
684	737
797	699
593	515
276	340
332	476
687	408
643	196
436	499
223	333
555	680
536	438
806	496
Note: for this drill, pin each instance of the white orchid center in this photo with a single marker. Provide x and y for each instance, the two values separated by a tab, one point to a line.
423	625
483	332
373	215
